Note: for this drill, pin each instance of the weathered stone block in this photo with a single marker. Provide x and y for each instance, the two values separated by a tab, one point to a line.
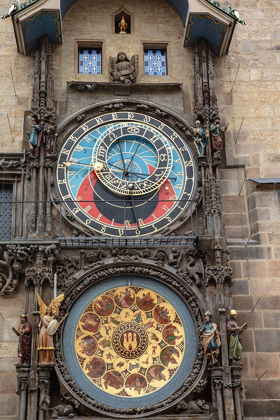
8	365
254	408
237	273
271	319
8	383
240	287
243	302
265	286
250	252
247	338
8	404
254	269
273	268
267	340
233	204
259	362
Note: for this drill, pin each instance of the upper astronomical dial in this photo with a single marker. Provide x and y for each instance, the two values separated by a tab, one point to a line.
126	174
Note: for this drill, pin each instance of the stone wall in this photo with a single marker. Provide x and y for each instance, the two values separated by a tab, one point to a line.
252	212
10	309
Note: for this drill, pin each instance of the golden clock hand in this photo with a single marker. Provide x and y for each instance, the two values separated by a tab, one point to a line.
123	162
133	156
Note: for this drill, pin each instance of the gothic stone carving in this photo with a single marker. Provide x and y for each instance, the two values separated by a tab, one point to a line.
192	407
217	275
123	70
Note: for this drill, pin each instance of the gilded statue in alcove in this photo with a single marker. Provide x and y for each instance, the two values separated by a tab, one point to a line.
122	25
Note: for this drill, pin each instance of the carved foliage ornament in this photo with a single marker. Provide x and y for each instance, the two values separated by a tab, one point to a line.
130	268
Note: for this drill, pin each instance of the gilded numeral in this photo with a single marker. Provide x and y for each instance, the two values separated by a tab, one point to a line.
121	232
165	208
141	222
98	120
154	216
127	223
88	208
103	229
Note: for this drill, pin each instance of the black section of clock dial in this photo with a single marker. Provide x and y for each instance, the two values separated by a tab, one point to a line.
113	206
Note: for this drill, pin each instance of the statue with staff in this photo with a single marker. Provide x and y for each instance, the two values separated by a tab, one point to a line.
211	338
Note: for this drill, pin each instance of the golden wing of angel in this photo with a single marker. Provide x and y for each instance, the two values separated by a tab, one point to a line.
53	305
42	305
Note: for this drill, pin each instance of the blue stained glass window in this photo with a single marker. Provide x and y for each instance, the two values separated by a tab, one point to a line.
90	60
155	62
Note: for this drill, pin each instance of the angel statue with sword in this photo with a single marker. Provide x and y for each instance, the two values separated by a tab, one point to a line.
45	340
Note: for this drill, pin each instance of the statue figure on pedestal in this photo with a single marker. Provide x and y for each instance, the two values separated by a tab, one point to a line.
200	139
211	337
234	340
122	69
216	132
50	137
24	332
45	340
33	135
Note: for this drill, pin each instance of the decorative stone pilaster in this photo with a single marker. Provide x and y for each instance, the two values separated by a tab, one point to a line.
23	380
217	389
44	372
236	371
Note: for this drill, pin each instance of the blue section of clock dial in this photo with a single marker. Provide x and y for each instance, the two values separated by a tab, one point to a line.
137	154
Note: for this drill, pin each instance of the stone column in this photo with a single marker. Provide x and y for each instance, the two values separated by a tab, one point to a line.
236	370
44	372
217	386
23	378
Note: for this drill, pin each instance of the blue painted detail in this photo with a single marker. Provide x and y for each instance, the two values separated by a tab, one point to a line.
41	24
90	60
155	62
181	7
205	26
69	342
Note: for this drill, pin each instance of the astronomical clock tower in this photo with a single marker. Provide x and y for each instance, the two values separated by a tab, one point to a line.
116	239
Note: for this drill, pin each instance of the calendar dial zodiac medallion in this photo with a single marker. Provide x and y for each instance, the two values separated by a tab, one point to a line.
129	341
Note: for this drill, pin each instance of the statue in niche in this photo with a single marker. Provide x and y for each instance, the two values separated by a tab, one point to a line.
50	137
194	265
45	340
234	340
216	132
200	139
122	25
211	338
24	332
123	70
33	135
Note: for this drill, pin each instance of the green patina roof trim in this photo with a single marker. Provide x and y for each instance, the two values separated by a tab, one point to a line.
228	11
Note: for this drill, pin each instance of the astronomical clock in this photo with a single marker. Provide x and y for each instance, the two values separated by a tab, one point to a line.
129	344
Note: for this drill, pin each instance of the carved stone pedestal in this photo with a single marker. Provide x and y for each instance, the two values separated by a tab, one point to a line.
44	372
236	371
217	390
23	378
